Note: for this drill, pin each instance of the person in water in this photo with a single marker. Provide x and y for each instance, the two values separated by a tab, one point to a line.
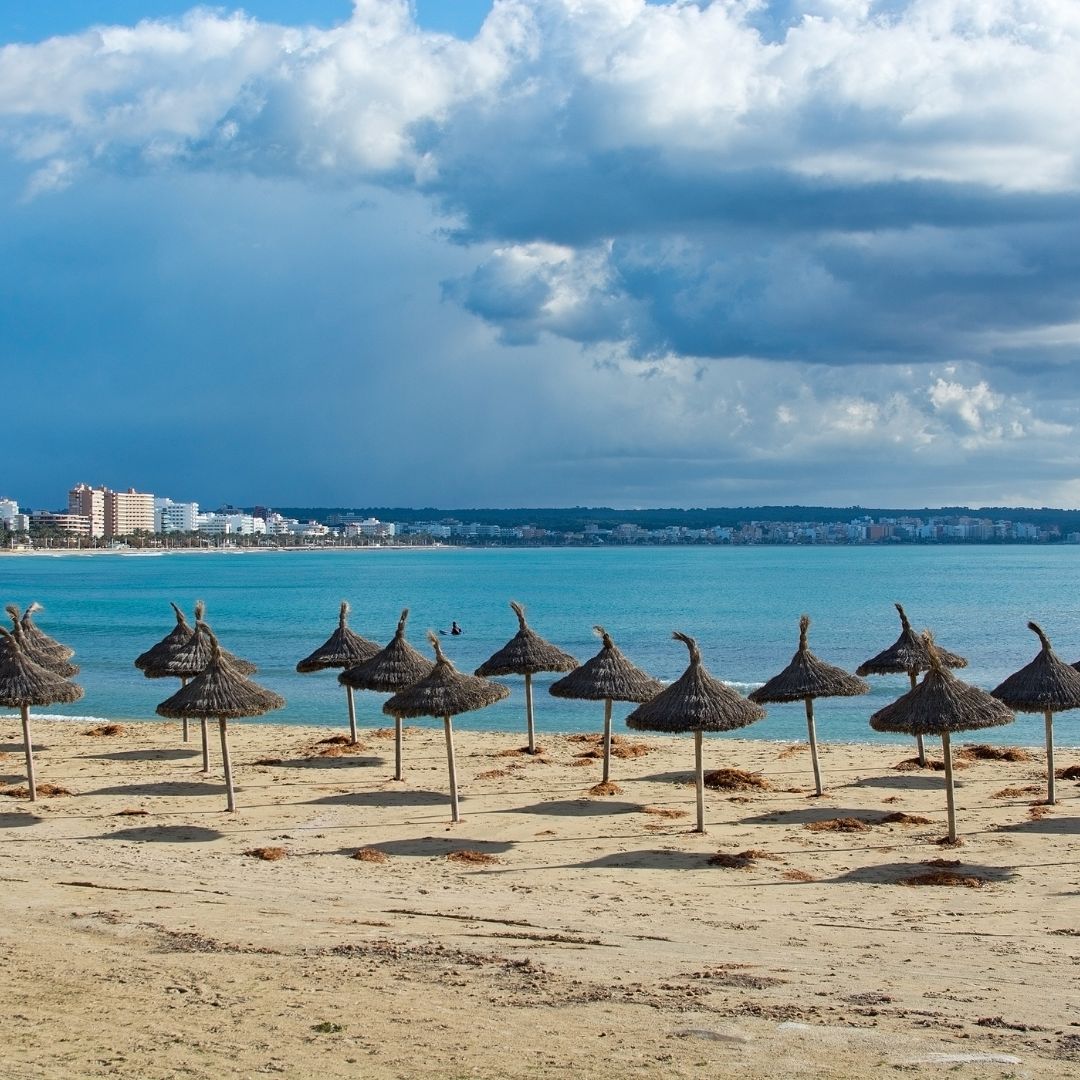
455	629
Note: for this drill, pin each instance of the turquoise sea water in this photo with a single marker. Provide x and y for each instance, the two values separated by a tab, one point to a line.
742	604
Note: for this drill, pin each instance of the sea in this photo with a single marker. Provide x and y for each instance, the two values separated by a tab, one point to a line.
742	604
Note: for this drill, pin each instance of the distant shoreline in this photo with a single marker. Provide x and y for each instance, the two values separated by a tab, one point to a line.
61	553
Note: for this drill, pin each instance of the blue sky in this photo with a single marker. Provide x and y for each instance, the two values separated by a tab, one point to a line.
554	252
26	21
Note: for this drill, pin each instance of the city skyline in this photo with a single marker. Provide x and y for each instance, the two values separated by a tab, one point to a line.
605	252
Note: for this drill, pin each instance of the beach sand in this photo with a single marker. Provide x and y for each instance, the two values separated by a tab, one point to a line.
550	932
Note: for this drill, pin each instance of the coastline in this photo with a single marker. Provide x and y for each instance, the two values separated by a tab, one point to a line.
576	932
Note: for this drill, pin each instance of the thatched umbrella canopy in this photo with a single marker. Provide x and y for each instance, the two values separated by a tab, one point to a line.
40	641
220	690
907	654
445	692
48	658
342	649
152	662
526	653
1047	685
190	659
940	705
389	671
804	679
696	702
24	683
607	677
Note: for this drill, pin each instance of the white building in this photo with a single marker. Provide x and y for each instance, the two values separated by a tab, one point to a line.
9	511
172	516
230	524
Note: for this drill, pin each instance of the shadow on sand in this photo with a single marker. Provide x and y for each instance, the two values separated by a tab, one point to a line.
165	789
1062	826
385	798
898	873
164	834
645	859
18	821
598	807
433	847
177	754
343	762
805	815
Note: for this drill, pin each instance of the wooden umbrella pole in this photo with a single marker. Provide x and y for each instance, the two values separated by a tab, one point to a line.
29	749
205	746
397	747
229	796
352	715
1050	794
918	738
183	683
949	799
448	724
607	738
699	776
812	735
529	712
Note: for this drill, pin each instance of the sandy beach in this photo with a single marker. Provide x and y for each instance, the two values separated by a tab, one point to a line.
551	931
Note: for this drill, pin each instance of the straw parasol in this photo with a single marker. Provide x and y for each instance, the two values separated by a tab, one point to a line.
445	692
48	656
342	649
151	663
1047	685
38	639
220	690
24	683
907	654
191	658
804	679
940	705
696	702
526	653
389	671
607	677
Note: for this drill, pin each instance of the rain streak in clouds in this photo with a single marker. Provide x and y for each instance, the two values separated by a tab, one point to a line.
607	251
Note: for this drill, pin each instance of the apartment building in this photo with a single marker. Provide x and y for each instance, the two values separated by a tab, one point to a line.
89	502
170	517
128	512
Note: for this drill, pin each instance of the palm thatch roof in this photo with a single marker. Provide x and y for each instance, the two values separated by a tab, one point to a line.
941	704
151	661
445	691
695	702
1047	684
48	659
24	683
906	654
38	639
391	669
808	677
342	649
526	653
608	676
191	658
220	690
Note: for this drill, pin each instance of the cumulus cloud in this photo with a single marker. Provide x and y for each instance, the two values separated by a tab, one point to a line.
811	225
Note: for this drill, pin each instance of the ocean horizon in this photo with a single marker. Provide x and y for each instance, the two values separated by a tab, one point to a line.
742	604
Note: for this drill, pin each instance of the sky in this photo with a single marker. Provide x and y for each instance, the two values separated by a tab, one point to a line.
542	252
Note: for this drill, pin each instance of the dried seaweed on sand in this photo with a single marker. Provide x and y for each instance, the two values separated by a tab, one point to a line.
267	854
471	858
105	730
735	780
843	824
